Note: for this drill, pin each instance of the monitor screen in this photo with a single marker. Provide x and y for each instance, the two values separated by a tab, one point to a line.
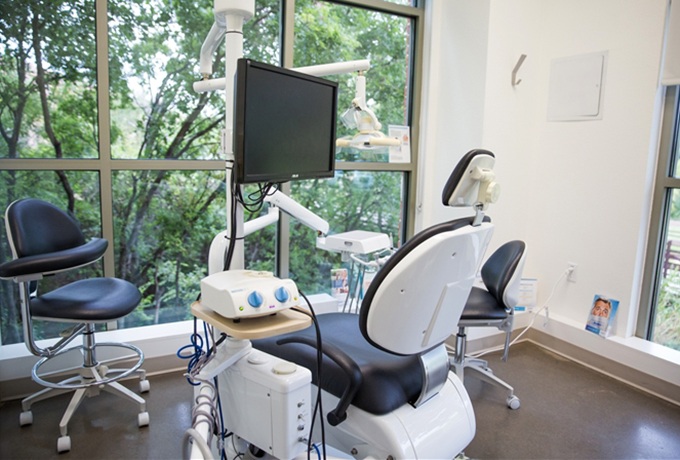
284	124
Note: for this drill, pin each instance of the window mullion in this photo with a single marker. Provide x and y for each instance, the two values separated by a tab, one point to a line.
104	131
664	185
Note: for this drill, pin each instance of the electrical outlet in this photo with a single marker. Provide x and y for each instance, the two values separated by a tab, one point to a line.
571	272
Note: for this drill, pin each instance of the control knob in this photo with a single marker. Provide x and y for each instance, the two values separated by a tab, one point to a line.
255	299
282	294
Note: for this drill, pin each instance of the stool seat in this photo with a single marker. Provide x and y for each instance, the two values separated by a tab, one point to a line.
88	300
482	305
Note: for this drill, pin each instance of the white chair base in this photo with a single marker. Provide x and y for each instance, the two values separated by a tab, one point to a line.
482	371
88	382
459	362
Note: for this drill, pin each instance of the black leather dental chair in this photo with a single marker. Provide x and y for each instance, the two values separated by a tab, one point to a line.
44	241
390	358
492	306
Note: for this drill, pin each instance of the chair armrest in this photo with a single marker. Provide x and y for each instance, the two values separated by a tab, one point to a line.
53	262
348	366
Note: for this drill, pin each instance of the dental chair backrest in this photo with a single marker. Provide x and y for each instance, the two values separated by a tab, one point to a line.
415	301
396	354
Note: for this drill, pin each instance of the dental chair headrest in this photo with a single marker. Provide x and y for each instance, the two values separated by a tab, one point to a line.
472	182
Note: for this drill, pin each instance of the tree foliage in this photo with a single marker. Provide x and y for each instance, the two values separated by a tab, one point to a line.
666	327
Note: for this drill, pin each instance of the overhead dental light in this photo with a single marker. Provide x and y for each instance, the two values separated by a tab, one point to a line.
360	117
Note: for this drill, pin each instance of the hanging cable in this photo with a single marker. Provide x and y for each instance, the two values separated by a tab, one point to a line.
207	405
318	406
194	351
256	198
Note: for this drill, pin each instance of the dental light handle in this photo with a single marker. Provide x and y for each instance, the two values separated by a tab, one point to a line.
374	264
373	141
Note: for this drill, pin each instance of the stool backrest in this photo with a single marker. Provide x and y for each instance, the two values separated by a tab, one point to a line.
37	227
45	240
502	272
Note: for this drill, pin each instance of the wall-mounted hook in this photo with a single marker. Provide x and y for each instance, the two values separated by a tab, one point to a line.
515	81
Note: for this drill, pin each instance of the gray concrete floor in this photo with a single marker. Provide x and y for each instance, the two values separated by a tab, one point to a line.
104	426
567	411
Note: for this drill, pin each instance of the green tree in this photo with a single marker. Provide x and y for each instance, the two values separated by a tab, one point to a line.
46	110
158	58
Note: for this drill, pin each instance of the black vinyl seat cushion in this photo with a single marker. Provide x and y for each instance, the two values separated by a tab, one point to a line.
88	300
483	306
388	381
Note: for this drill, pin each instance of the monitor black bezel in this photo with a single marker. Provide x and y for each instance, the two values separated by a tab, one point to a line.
240	109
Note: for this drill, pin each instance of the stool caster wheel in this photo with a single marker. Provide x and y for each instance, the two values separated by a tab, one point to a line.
64	444
143	419
144	386
26	418
513	402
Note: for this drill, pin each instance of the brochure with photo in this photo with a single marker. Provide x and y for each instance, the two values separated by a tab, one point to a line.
602	313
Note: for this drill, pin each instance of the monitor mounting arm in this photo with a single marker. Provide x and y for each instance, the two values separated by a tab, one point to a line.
230	15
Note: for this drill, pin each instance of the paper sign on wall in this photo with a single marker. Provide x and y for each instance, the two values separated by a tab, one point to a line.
401	153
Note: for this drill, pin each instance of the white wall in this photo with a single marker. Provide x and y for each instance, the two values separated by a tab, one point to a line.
574	191
453	106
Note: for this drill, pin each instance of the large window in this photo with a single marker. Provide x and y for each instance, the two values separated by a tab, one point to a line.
372	198
659	319
98	116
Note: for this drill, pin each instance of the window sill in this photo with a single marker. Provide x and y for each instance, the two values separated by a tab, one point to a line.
649	348
649	366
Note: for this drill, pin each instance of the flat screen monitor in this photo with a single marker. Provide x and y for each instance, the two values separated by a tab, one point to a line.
284	124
